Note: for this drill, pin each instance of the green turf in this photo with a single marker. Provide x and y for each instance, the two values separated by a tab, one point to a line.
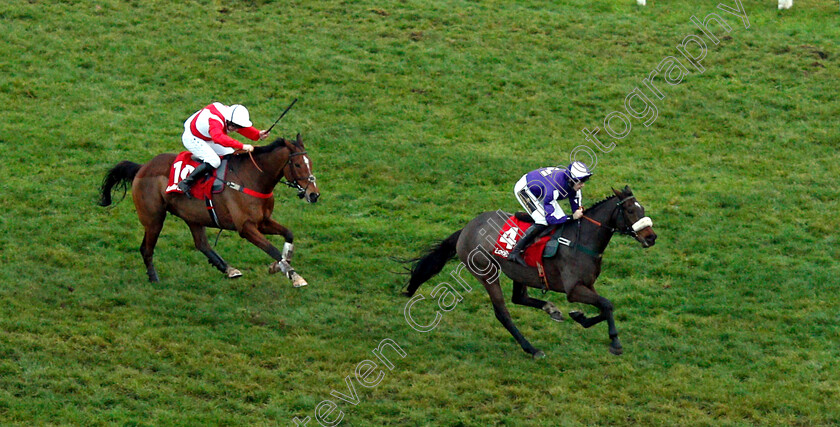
419	115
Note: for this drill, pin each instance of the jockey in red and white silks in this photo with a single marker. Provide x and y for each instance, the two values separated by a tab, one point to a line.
540	191
205	135
205	132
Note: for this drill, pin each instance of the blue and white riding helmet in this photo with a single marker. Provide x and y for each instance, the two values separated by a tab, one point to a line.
579	172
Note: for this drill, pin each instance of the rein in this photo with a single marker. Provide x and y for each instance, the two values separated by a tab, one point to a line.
293	183
592	221
251	155
627	230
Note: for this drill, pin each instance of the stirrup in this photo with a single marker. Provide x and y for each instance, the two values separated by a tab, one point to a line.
186	191
517	258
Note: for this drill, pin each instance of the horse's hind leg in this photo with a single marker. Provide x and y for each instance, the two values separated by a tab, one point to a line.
520	296
588	295
151	212
498	300
201	243
153	227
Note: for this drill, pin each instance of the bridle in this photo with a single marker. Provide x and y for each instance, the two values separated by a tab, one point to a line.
293	183
628	229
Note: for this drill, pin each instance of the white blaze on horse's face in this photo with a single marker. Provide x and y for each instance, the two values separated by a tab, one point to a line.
311	191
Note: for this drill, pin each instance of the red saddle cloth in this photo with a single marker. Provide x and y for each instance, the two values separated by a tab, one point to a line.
511	232
181	168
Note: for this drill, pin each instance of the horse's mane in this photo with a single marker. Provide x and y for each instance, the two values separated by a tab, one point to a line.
278	143
601	202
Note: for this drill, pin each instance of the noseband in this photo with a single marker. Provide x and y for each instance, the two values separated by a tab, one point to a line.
629	230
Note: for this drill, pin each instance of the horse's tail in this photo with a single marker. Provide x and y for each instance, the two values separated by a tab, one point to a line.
120	175
432	263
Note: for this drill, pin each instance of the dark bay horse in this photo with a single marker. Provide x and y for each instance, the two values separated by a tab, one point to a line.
242	211
572	270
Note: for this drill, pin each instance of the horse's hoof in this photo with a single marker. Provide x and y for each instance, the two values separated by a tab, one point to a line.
298	281
233	273
552	311
618	351
539	355
577	316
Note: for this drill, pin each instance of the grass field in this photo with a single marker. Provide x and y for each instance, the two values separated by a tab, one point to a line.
418	116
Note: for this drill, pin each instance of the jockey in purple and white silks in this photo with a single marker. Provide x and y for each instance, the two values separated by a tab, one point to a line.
540	192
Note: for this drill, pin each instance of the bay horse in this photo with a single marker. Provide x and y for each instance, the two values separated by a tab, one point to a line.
247	211
572	270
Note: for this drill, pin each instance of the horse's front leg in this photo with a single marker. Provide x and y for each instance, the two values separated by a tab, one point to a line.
274	228
586	295
250	232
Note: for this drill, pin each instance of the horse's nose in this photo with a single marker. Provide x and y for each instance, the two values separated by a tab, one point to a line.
313	197
651	239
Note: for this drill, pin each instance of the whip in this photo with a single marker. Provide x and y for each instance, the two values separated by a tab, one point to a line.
281	116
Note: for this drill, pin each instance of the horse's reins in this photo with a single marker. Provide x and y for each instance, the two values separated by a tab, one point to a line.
620	207
629	229
599	224
592	221
251	155
293	183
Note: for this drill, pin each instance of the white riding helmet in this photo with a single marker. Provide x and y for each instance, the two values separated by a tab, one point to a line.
579	171
239	116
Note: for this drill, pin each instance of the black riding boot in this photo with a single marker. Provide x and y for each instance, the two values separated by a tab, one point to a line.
203	169
530	234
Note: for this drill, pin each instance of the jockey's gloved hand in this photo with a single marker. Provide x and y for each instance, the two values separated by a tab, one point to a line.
247	147
578	213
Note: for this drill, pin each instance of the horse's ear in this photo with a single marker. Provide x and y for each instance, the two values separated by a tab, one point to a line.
616	192
627	190
298	138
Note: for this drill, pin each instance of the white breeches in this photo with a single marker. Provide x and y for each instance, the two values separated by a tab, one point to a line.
207	151
532	204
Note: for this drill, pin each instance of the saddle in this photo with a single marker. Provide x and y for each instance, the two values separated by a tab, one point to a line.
205	187
545	245
513	229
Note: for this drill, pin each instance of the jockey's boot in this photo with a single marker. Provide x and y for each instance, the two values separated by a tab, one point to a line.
532	232
203	169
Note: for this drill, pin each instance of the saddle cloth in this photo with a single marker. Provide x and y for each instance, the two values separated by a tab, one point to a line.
205	187
511	232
